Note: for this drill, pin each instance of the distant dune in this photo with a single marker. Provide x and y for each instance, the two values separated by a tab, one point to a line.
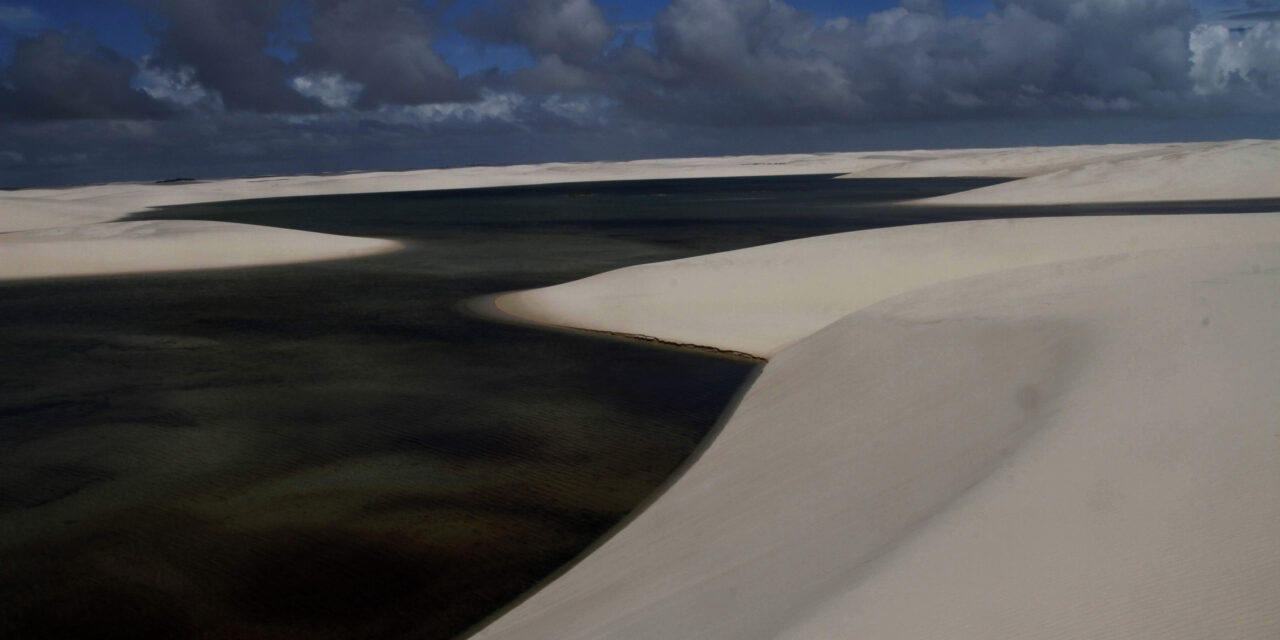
1054	174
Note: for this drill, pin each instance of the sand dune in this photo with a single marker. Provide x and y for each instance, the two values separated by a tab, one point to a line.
760	300
1241	169
1017	162
1036	428
1230	170
132	247
1081	449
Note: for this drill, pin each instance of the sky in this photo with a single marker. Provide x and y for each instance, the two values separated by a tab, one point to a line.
109	90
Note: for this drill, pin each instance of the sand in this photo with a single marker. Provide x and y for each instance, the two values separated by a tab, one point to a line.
1054	174
42	208
1236	170
1037	428
1081	449
166	245
762	299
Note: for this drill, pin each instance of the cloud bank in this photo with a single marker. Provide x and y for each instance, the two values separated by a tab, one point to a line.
357	76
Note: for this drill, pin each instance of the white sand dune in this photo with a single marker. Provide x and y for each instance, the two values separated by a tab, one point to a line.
1241	169
760	300
1037	428
1081	449
162	245
1017	162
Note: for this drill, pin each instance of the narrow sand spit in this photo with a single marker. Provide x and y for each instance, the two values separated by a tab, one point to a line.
162	245
1036	428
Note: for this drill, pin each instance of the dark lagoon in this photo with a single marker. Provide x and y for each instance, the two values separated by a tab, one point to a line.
338	449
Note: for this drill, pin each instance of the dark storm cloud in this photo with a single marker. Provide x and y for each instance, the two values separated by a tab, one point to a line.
727	62
572	30
762	61
498	128
56	75
225	44
385	46
1253	10
368	89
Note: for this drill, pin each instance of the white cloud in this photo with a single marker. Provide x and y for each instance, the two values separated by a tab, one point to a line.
1224	58
331	89
579	109
178	86
492	107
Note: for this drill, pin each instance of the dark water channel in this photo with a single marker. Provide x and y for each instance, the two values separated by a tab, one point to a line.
334	450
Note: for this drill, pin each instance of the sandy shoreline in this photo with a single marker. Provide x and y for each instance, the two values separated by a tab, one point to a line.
502	307
111	248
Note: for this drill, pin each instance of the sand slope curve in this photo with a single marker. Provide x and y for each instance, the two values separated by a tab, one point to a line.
1235	170
760	300
1037	428
1080	449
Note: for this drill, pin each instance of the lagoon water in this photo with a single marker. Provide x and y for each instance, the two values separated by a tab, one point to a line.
338	450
